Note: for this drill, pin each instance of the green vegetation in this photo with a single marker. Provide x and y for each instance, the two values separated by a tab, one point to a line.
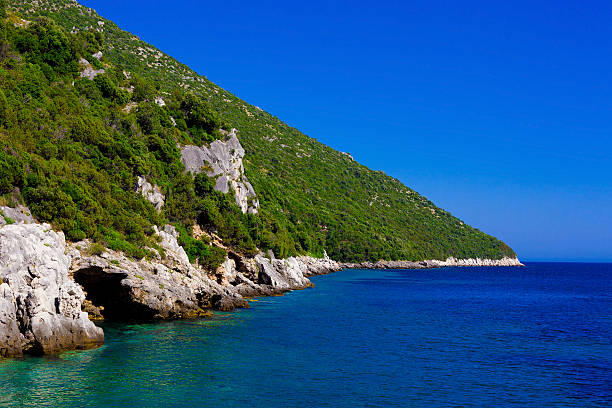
8	220
95	248
74	154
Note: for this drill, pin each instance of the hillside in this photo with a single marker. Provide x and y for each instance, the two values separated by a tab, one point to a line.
73	149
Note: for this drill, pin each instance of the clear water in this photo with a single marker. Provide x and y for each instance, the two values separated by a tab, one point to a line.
538	336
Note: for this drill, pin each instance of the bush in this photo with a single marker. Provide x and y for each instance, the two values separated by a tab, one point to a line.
95	248
11	173
45	43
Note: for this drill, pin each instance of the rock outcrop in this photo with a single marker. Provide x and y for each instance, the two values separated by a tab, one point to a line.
434	263
47	290
223	161
87	71
150	192
17	215
261	276
161	288
40	306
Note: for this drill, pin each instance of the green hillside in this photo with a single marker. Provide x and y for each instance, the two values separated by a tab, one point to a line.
72	154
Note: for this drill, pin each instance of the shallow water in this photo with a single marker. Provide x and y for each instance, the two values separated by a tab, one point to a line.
534	336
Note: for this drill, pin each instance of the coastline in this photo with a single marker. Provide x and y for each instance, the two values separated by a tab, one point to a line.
51	290
432	263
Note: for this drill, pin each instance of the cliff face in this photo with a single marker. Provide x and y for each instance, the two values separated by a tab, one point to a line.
40	306
170	287
48	290
223	161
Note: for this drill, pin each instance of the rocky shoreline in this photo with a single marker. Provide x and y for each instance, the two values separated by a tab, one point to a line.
433	263
51	290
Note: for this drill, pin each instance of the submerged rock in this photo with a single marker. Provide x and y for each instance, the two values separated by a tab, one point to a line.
40	306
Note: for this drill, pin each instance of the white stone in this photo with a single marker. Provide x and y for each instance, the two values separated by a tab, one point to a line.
223	160
150	192
40	306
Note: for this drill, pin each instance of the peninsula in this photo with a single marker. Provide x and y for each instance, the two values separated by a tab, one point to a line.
132	188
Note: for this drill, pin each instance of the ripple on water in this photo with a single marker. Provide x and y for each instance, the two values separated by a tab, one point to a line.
535	336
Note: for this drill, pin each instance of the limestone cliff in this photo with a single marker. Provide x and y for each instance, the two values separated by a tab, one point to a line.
223	161
40	306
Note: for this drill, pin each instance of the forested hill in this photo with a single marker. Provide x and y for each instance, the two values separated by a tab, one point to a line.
74	152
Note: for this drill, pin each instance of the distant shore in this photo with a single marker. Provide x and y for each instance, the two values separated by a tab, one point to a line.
428	264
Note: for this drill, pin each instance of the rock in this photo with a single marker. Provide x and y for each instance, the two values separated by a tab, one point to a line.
160	101
169	236
18	215
168	288
319	266
433	263
505	261
150	192
223	160
40	306
87	71
129	107
98	54
286	274
269	275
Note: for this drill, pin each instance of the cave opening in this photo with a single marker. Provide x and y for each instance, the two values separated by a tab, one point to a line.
105	291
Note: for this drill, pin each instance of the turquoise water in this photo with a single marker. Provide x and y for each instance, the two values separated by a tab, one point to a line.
535	336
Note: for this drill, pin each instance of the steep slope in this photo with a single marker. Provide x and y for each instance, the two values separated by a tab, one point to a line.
311	197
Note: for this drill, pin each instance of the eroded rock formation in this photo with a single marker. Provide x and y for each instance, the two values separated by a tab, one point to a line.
47	287
40	306
223	161
161	288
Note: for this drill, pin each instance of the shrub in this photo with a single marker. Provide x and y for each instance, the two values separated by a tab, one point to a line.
95	248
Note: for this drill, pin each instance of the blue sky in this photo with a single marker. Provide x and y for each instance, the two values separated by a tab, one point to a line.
499	112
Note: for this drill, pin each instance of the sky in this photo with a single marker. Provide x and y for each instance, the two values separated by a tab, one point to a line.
499	112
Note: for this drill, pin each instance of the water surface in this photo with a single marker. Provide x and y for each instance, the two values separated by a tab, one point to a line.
534	336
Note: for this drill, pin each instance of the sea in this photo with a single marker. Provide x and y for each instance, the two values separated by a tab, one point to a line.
535	336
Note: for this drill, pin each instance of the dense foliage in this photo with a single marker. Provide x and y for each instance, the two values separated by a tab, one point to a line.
74	153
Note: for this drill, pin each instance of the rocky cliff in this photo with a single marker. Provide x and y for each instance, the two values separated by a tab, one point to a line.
40	306
169	286
223	161
48	290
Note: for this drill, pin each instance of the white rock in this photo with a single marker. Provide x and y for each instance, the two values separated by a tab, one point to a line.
88	71
40	306
223	160
150	192
160	101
